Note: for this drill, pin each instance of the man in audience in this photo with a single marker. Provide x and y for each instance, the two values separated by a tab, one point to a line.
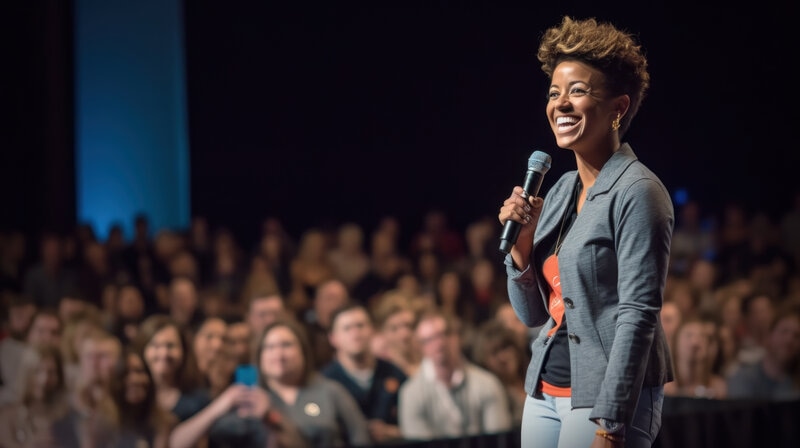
264	308
46	328
449	396
89	421
239	341
328	296
184	302
373	382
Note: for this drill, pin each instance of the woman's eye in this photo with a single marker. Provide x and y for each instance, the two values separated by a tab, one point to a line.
577	91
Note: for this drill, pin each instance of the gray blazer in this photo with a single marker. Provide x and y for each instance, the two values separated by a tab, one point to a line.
613	265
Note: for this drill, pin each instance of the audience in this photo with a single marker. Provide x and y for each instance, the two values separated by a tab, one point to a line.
373	382
27	421
321	408
776	375
449	396
126	343
694	347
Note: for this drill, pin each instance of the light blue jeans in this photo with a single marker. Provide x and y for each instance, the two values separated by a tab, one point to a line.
552	423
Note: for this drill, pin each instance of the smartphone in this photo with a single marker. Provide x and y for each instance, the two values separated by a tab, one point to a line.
246	374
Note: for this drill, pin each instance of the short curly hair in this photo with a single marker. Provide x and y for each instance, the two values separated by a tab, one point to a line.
605	47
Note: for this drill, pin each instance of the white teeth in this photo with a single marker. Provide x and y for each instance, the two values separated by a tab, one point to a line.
566	120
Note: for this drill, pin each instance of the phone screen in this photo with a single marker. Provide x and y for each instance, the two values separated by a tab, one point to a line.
246	374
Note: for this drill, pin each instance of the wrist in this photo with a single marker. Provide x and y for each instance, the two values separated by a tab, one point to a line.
611	427
613	438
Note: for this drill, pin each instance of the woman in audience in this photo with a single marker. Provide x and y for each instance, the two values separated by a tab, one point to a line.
325	413
141	421
27	422
694	350
208	342
164	346
776	376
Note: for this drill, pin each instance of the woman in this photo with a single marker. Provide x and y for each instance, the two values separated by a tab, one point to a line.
27	422
695	348
164	346
207	343
591	259
325	413
142	423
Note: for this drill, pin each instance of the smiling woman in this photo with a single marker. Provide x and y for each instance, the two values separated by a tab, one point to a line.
141	419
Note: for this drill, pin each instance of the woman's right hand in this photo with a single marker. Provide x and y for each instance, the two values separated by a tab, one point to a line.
526	212
255	403
230	398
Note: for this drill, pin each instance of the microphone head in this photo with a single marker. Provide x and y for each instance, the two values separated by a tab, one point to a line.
539	161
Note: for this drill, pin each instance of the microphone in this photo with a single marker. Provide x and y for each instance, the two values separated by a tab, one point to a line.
538	165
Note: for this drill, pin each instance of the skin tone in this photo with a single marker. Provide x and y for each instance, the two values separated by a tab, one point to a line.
44	381
783	346
670	318
580	113
136	380
237	339
164	355
350	335
209	341
330	295
281	361
263	311
97	359
45	330
505	314
441	346
397	335
693	347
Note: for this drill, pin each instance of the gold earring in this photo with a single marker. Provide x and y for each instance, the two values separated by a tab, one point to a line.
615	123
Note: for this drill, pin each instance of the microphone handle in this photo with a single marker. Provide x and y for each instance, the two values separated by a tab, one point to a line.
533	181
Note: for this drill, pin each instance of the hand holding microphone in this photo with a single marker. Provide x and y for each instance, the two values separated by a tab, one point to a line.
515	210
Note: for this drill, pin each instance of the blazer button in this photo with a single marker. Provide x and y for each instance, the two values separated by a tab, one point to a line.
569	303
574	338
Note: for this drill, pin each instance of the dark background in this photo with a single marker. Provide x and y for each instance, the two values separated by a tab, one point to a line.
341	112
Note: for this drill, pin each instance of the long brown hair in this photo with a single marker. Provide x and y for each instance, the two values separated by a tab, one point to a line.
147	415
188	378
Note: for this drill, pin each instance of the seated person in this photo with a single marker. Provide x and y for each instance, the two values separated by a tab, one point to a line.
373	382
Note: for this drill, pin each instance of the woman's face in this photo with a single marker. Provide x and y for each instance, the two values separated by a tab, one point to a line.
693	342
281	355
136	380
164	353
45	379
209	341
577	108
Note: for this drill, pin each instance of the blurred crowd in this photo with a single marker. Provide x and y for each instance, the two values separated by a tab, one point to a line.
344	335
